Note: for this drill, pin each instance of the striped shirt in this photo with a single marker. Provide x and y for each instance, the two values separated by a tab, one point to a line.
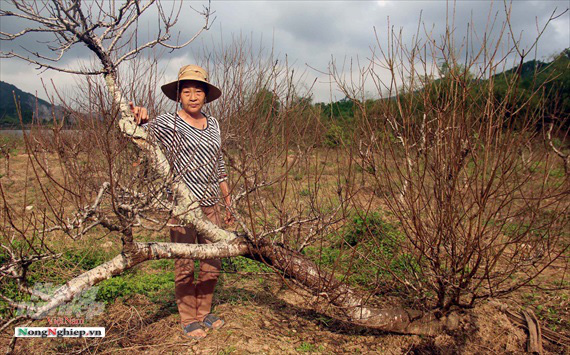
194	154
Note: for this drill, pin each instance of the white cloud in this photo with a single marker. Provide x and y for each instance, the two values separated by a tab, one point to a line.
27	78
311	32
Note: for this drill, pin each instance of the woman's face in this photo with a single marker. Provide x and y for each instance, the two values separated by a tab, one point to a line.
192	97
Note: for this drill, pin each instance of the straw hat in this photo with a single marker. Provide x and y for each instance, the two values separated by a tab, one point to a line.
191	72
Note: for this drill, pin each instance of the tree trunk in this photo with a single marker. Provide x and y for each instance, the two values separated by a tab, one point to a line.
352	306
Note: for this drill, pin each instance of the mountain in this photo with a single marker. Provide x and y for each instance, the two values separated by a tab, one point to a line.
545	86
553	77
8	112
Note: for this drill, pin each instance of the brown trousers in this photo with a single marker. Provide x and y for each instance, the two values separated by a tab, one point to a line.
194	300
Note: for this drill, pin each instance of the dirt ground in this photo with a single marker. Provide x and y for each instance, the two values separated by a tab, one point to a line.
264	317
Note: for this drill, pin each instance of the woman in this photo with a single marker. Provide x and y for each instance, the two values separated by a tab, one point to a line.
191	141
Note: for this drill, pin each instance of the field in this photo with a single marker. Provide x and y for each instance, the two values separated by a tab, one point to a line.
266	313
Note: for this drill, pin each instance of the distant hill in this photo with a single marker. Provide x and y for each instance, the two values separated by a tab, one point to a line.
553	99
553	76
8	112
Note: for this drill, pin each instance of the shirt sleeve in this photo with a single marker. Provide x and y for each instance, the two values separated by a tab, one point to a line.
160	131
151	127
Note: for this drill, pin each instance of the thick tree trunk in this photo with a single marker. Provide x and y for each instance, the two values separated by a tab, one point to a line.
352	306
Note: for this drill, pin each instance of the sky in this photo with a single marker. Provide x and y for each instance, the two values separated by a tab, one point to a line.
310	35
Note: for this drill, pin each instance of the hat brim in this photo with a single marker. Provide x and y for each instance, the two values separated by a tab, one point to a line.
171	90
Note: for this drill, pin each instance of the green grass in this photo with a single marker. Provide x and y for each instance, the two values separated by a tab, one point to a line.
156	281
10	290
230	349
85	260
306	347
244	265
162	264
544	309
131	283
557	173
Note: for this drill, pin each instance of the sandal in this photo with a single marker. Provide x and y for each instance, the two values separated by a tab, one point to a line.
192	327
210	319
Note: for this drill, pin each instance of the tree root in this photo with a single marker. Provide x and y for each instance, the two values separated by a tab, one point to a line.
521	321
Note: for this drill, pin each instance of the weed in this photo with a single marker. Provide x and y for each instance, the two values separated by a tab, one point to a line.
10	291
233	298
326	321
84	261
307	347
557	173
163	264
71	258
241	264
151	285
4	257
359	228
535	166
230	349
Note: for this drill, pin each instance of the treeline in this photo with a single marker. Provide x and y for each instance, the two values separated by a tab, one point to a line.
541	87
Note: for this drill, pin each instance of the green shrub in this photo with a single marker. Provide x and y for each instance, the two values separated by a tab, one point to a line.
367	250
335	136
358	228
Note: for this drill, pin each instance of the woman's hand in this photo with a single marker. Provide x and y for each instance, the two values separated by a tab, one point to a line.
229	219
140	113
